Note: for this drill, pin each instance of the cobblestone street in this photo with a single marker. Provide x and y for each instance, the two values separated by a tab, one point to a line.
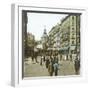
33	69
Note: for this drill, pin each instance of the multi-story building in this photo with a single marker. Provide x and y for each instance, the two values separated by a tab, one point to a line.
30	44
70	36
75	36
78	34
30	36
30	41
54	37
65	37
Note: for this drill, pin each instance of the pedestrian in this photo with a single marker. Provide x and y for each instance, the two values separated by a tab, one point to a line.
56	66
44	58
41	60
50	69
53	62
35	56
77	66
47	62
32	58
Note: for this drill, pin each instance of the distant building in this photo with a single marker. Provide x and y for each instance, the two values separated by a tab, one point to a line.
30	39
30	36
44	39
54	37
29	44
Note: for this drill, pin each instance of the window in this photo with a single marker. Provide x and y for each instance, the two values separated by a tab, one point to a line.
72	17
72	20
72	42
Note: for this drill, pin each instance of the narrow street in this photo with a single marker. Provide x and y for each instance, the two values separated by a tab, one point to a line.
33	69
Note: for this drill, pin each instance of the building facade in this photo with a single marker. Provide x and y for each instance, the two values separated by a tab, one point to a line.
65	37
30	40
70	37
54	37
44	40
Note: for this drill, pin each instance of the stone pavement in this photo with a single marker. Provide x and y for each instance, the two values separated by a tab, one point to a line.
33	69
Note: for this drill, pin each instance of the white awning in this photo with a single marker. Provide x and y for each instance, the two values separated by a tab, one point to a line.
52	49
35	49
64	48
39	46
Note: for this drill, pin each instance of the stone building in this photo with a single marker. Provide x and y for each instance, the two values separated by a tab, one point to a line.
30	44
44	39
54	37
70	37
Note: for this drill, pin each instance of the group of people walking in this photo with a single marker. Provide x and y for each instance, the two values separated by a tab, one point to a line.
51	63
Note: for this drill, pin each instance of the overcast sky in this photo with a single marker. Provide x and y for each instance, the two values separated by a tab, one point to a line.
38	21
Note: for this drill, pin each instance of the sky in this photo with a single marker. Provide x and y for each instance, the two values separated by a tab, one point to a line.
38	21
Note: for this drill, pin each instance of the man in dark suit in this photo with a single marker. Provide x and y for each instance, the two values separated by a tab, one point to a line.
77	66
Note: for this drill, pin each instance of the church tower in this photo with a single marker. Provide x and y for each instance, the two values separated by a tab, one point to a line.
44	38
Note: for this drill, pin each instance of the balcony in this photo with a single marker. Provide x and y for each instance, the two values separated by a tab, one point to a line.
73	37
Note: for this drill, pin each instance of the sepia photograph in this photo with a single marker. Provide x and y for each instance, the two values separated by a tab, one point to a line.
50	43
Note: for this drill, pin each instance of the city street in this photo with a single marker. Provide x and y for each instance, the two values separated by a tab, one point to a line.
60	38
33	69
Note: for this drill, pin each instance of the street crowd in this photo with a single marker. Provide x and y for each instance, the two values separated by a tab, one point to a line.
53	65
